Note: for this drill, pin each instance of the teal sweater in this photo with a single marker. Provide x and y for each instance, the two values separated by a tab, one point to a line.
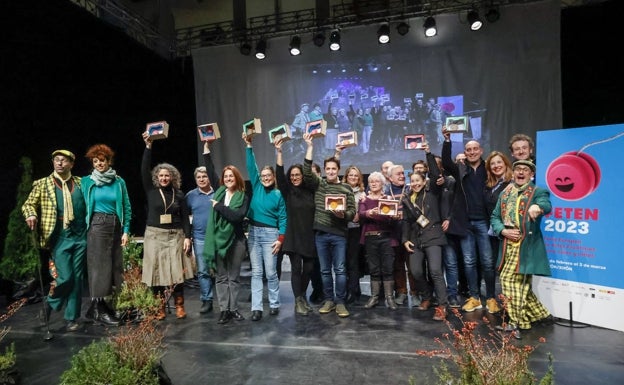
267	205
122	202
325	220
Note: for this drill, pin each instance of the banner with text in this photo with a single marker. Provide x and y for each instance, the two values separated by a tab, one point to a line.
581	169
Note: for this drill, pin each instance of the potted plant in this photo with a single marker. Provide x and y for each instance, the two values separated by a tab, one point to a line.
8	372
132	357
134	301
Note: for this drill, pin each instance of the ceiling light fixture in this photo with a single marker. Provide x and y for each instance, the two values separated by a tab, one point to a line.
245	48
383	34
403	28
474	20
319	39
261	49
295	43
430	27
492	15
334	41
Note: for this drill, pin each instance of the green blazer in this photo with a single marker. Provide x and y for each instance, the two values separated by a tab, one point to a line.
533	257
41	203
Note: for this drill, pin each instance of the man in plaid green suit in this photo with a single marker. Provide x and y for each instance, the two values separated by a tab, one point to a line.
55	208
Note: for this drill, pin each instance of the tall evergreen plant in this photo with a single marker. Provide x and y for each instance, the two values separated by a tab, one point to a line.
20	259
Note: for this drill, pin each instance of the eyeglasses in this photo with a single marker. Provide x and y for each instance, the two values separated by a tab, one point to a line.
522	169
266	176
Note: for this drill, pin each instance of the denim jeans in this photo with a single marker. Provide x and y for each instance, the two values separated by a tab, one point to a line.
332	251
263	260
476	244
203	276
451	270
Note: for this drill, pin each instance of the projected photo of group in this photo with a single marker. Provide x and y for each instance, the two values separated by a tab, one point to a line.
384	121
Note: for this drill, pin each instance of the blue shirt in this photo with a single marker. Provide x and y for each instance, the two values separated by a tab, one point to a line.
200	206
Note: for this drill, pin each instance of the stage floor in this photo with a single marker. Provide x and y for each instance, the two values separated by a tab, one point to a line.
376	346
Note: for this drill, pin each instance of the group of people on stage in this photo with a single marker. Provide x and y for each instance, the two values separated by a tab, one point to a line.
453	213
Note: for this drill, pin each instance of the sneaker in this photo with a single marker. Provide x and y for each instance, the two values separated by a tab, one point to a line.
206	307
72	326
492	306
400	298
453	302
327	307
342	311
440	313
415	300
472	304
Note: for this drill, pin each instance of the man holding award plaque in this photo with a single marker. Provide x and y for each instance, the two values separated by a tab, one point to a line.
334	208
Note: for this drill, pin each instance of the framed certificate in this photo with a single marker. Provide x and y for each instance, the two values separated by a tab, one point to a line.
388	207
348	139
252	127
280	132
157	130
457	124
335	202
316	128
413	141
208	132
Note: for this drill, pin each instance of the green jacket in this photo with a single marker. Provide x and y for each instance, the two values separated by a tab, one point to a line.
533	256
41	203
122	201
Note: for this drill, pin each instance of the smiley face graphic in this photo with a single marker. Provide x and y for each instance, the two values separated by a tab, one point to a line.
573	176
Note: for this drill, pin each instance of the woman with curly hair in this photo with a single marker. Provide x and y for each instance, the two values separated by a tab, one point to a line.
108	221
167	240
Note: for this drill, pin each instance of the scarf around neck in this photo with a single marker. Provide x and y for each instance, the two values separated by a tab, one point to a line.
220	232
510	216
68	207
102	178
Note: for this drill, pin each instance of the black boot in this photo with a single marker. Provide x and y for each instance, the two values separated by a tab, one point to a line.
91	314
104	316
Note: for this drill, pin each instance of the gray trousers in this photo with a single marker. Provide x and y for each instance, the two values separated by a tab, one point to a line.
228	275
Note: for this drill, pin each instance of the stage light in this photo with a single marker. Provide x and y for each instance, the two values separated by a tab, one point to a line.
474	20
383	34
245	48
492	15
430	27
334	41
403	28
295	43
261	49
319	39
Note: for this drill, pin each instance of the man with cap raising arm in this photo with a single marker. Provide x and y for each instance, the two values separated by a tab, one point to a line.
55	208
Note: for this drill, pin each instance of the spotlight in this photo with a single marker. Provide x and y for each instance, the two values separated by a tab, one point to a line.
261	49
245	48
430	27
334	41
403	28
319	39
295	43
492	15
474	20
383	34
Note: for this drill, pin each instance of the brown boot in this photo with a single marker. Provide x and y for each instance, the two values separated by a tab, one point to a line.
374	298
162	311
179	305
389	289
440	313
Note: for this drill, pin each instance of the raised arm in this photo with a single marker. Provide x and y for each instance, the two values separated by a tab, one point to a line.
213	177
146	175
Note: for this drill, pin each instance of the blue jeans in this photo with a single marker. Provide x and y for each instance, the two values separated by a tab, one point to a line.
332	253
451	271
263	260
203	276
476	244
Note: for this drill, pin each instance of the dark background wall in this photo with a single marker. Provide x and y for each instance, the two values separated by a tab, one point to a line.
67	80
